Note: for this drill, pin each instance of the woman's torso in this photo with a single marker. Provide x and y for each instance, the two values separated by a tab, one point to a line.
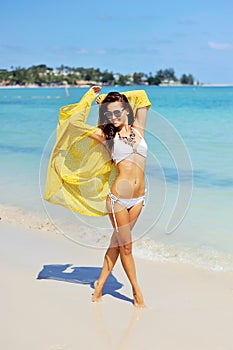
131	161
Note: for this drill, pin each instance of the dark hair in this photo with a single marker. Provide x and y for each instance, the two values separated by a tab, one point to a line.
108	128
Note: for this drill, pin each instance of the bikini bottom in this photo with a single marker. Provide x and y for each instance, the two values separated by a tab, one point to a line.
125	202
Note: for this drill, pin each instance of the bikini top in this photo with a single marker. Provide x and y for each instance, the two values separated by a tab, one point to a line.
122	150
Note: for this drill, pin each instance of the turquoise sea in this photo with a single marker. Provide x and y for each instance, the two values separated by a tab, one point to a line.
188	212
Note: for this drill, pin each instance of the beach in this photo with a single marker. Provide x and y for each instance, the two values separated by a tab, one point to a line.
51	256
43	306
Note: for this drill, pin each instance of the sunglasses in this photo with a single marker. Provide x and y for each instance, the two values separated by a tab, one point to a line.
117	113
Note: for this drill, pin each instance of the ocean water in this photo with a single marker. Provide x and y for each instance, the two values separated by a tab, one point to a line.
188	211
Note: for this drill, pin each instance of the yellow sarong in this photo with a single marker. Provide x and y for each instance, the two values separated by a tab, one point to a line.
80	170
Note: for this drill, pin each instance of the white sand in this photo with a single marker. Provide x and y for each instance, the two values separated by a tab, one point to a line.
187	308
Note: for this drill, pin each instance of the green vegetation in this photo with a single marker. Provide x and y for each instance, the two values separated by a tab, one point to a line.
187	79
41	75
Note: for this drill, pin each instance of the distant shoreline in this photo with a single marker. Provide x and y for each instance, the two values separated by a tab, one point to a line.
87	86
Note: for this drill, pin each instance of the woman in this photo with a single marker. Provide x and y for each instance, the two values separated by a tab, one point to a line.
120	135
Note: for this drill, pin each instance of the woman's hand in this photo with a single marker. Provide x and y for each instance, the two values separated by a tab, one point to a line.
96	89
98	100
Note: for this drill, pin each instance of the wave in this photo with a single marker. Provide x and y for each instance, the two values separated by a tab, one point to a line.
202	257
144	248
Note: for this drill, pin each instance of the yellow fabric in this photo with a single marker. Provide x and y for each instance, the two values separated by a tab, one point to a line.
80	170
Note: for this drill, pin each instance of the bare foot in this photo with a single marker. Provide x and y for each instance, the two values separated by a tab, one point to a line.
97	295
138	299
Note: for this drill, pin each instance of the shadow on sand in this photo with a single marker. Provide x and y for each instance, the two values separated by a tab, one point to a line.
82	275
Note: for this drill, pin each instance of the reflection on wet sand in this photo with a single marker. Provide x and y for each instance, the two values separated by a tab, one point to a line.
104	331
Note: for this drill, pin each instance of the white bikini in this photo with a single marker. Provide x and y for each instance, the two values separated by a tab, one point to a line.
121	151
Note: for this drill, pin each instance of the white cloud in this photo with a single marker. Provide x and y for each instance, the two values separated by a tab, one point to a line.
60	50
82	51
220	46
131	51
101	52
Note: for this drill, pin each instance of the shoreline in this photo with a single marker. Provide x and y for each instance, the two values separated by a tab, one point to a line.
185	305
128	86
145	248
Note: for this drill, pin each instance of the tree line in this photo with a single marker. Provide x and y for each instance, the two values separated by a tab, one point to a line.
42	75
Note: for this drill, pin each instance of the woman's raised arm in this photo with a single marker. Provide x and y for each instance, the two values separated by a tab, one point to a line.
140	104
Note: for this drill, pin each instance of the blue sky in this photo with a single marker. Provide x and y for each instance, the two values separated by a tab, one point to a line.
121	36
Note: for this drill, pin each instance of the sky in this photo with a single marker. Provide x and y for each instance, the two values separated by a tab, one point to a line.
192	37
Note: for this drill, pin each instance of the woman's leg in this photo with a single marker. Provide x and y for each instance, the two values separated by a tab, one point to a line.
126	220
110	259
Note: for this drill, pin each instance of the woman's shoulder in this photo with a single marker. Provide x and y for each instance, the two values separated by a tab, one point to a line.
98	135
139	130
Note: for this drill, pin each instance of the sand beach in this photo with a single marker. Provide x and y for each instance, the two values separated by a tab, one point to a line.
46	301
